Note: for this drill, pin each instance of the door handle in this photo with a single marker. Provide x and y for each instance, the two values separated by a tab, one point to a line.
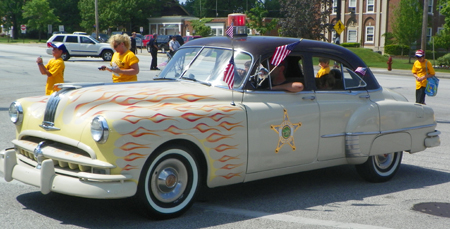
309	97
364	96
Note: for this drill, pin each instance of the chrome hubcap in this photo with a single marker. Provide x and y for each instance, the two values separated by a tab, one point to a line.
169	180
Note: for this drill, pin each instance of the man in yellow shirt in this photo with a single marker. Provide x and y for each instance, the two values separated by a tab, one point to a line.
54	68
324	64
422	70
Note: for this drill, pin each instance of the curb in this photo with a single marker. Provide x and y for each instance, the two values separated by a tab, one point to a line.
406	72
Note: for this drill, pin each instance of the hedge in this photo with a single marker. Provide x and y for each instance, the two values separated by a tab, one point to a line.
396	49
351	44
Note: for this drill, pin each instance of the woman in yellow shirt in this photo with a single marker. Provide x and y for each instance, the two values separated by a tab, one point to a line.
124	64
422	70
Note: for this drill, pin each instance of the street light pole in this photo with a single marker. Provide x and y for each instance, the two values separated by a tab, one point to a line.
424	25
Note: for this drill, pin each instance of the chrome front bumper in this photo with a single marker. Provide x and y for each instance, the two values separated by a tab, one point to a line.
87	185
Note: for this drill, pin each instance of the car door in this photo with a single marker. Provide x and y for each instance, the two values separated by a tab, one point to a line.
283	127
342	105
72	45
88	47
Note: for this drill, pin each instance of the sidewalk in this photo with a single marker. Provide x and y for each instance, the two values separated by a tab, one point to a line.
405	72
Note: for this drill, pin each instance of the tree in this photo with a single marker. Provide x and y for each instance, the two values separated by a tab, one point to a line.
11	15
407	22
256	21
67	11
207	8
114	14
443	38
304	18
39	15
200	28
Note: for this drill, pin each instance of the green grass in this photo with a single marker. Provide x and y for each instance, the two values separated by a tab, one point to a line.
7	40
375	60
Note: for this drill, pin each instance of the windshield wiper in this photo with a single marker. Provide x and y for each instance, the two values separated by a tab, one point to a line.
192	78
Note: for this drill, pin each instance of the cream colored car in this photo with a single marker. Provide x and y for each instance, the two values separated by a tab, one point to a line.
159	141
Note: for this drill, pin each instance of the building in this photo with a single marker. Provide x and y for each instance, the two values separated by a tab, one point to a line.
366	21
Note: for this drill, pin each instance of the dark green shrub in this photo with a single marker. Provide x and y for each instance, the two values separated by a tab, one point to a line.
444	60
352	45
396	49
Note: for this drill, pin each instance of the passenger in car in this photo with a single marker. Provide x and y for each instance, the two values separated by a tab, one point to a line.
279	81
324	64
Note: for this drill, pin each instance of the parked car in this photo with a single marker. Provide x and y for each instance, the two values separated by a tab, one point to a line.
102	37
160	140
139	42
190	38
80	46
146	39
162	41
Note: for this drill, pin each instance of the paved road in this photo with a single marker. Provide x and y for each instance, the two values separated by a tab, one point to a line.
328	198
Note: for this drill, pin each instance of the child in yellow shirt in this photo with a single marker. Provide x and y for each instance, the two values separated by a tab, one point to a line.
324	64
54	68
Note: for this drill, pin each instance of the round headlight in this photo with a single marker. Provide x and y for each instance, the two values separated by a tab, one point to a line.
99	129
15	113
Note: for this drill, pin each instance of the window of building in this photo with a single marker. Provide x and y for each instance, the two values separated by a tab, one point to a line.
439	30
370	5
352	3
369	34
335	2
351	36
428	34
430	6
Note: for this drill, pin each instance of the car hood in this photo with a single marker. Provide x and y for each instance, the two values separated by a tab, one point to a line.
79	104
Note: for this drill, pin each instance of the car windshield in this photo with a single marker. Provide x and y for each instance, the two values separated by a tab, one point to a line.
206	65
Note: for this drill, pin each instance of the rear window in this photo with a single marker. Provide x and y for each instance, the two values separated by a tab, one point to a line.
72	39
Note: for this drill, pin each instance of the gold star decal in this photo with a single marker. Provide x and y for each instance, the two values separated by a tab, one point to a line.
285	132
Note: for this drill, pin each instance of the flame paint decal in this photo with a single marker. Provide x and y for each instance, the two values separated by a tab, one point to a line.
141	118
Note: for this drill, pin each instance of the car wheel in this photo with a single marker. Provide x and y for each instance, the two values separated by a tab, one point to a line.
380	168
107	55
169	182
65	56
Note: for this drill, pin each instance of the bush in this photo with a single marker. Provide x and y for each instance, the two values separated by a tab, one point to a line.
352	45
437	54
396	49
444	60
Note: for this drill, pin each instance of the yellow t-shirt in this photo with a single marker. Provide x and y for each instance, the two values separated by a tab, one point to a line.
56	68
419	69
124	62
323	71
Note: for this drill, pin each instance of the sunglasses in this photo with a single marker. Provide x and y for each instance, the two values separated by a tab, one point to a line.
116	45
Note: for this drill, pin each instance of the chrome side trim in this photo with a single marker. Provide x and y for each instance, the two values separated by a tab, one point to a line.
379	132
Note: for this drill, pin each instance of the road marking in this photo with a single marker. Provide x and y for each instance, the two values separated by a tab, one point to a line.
286	218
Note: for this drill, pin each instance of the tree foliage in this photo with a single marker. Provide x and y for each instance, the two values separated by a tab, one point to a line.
115	14
68	13
255	19
200	27
304	18
11	15
407	22
443	38
39	15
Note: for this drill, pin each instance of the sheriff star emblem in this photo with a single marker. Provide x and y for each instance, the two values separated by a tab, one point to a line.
285	132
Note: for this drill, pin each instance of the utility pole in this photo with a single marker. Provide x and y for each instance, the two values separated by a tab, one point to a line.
338	17
96	21
423	44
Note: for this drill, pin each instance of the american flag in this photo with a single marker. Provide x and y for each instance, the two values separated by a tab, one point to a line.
281	52
229	74
361	70
230	30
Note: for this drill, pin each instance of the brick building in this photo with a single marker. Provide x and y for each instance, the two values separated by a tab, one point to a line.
367	20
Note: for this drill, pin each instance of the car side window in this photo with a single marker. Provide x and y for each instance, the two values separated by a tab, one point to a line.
58	39
327	73
86	40
72	39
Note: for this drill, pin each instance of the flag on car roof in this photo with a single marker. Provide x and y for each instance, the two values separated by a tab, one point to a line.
361	70
230	30
229	74
281	52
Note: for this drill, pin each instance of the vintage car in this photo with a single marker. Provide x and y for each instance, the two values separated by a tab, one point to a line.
159	141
